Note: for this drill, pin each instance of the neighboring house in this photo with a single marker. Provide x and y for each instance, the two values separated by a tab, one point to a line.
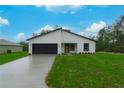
60	41
8	46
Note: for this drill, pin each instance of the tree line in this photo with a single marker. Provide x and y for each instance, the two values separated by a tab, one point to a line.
111	38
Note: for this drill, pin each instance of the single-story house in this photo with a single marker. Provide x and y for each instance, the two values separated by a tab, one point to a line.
9	46
59	41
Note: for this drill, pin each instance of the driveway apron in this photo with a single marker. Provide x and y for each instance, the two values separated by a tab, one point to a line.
27	72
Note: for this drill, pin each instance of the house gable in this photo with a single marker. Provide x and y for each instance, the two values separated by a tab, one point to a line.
50	37
56	30
70	37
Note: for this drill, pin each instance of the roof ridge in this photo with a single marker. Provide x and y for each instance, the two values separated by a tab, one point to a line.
7	42
67	30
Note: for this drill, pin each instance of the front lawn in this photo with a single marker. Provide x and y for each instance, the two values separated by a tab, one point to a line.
87	71
5	58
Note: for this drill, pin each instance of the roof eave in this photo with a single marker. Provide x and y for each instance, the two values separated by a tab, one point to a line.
62	30
78	35
42	34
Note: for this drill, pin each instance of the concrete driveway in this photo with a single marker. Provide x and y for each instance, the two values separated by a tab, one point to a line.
27	72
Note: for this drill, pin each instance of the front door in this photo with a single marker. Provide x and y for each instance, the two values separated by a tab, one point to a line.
66	48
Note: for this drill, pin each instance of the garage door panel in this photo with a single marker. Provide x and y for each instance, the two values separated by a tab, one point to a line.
44	48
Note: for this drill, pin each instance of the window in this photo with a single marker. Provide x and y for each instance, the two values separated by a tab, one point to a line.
86	46
72	47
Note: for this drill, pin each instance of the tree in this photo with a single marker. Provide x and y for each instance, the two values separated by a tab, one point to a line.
25	46
100	42
111	38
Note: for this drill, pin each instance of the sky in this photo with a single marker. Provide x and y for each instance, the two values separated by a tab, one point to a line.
17	23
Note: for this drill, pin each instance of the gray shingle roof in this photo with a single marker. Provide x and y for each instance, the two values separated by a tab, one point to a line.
62	30
6	42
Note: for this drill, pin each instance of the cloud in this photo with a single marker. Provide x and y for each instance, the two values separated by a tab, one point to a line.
65	27
61	8
3	21
46	27
93	29
21	36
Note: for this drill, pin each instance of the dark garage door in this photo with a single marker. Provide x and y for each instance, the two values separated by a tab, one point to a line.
44	48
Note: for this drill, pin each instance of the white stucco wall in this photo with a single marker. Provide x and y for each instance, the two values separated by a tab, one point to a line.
60	37
4	49
71	38
53	37
30	48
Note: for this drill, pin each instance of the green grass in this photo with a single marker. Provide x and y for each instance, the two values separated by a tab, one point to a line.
100	70
5	58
